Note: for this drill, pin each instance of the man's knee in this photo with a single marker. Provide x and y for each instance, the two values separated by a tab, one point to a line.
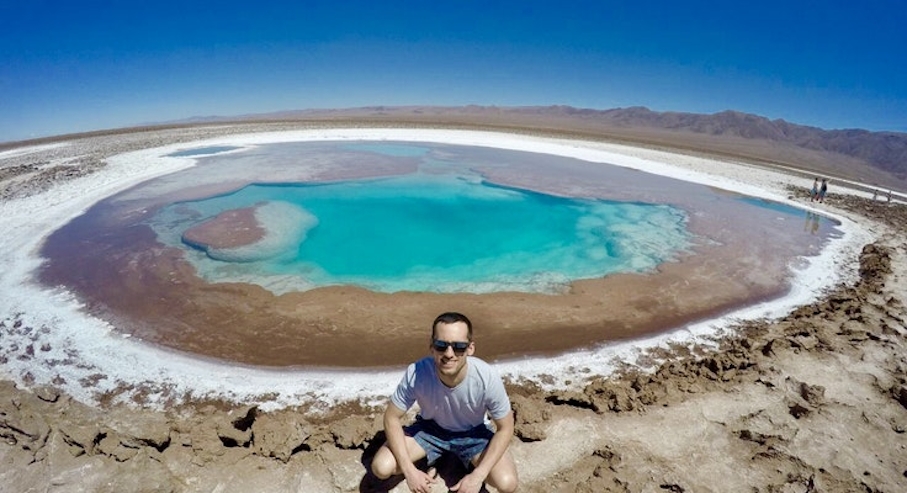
384	465
506	483
504	475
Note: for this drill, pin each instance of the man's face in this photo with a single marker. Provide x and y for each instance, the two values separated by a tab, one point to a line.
449	362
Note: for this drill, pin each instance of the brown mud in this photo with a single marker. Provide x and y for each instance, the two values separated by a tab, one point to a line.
229	229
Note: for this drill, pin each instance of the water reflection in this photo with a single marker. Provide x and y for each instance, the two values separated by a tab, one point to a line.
812	222
202	151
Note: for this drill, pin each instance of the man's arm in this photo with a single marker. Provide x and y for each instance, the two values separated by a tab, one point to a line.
416	480
496	448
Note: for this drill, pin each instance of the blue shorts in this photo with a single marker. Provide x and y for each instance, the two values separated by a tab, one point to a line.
437	441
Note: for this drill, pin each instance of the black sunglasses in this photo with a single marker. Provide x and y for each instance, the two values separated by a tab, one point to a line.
441	346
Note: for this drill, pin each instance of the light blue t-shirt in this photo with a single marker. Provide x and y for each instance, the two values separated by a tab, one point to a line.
454	409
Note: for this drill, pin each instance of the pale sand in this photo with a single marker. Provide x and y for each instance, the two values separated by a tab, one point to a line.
818	410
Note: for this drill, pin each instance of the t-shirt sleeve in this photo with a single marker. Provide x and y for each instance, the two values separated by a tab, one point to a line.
405	394
497	401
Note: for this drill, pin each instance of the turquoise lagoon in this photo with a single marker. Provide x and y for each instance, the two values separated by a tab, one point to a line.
440	229
436	233
443	227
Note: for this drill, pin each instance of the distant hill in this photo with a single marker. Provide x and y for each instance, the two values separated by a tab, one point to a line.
886	150
875	158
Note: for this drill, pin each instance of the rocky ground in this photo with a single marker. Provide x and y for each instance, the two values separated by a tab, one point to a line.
815	401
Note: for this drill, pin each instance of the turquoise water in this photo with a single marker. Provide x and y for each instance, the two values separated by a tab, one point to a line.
424	232
388	149
201	151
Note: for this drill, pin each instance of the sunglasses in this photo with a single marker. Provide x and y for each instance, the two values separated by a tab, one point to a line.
441	346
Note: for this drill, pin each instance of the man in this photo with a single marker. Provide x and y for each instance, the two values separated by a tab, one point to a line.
454	391
823	190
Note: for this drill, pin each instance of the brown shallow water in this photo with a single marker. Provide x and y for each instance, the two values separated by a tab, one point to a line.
147	289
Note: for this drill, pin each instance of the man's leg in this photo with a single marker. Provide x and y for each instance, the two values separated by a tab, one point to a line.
384	464
503	475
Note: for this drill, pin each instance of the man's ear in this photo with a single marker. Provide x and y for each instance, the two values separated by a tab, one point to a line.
471	349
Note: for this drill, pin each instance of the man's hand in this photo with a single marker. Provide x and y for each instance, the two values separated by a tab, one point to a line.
421	482
469	484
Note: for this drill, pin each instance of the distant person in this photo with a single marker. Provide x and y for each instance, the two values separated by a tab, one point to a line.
454	391
814	193
823	190
889	196
875	195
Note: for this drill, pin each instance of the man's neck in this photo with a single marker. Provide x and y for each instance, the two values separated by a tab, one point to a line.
452	382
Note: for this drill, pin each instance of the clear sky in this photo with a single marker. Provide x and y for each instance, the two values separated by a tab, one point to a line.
70	66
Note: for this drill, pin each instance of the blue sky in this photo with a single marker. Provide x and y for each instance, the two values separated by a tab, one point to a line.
86	65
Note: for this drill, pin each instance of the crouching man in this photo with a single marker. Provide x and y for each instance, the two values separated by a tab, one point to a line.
455	391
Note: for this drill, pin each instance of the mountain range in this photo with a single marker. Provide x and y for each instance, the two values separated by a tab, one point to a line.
877	159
